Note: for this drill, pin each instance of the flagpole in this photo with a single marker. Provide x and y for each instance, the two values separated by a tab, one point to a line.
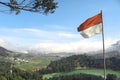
104	55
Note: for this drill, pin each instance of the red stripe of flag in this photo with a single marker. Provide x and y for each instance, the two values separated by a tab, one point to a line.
97	19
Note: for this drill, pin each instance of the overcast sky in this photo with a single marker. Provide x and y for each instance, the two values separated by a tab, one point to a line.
58	32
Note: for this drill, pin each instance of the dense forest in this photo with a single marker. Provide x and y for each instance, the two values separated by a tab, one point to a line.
80	62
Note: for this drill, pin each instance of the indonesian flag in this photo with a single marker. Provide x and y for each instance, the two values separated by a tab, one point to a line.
91	26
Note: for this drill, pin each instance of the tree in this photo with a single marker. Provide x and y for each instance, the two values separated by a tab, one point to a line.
38	6
111	77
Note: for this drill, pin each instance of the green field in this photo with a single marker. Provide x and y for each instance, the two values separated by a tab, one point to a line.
98	72
36	63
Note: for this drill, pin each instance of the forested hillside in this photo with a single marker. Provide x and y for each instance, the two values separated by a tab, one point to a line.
81	62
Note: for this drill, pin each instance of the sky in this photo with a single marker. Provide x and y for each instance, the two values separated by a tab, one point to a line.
58	32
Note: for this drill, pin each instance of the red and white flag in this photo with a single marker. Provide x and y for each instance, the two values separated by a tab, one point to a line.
91	26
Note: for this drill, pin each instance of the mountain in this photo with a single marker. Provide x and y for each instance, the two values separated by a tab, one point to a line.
107	54
4	52
115	47
112	51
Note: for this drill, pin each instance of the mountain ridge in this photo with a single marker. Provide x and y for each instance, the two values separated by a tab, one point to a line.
4	52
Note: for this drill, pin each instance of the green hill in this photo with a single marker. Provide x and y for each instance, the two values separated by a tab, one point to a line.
97	72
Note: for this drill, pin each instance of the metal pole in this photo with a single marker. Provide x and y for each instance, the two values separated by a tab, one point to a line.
104	55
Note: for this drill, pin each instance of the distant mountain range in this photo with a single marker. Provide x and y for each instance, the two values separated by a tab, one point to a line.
113	50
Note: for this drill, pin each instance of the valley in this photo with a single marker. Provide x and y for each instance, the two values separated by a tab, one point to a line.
50	67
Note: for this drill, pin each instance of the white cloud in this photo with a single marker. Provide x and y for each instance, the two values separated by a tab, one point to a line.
76	47
67	35
32	30
32	35
48	41
12	47
82	46
2	42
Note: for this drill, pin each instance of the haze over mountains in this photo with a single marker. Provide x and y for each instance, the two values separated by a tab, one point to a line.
53	50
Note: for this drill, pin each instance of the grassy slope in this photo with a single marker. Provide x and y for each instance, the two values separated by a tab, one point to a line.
98	72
